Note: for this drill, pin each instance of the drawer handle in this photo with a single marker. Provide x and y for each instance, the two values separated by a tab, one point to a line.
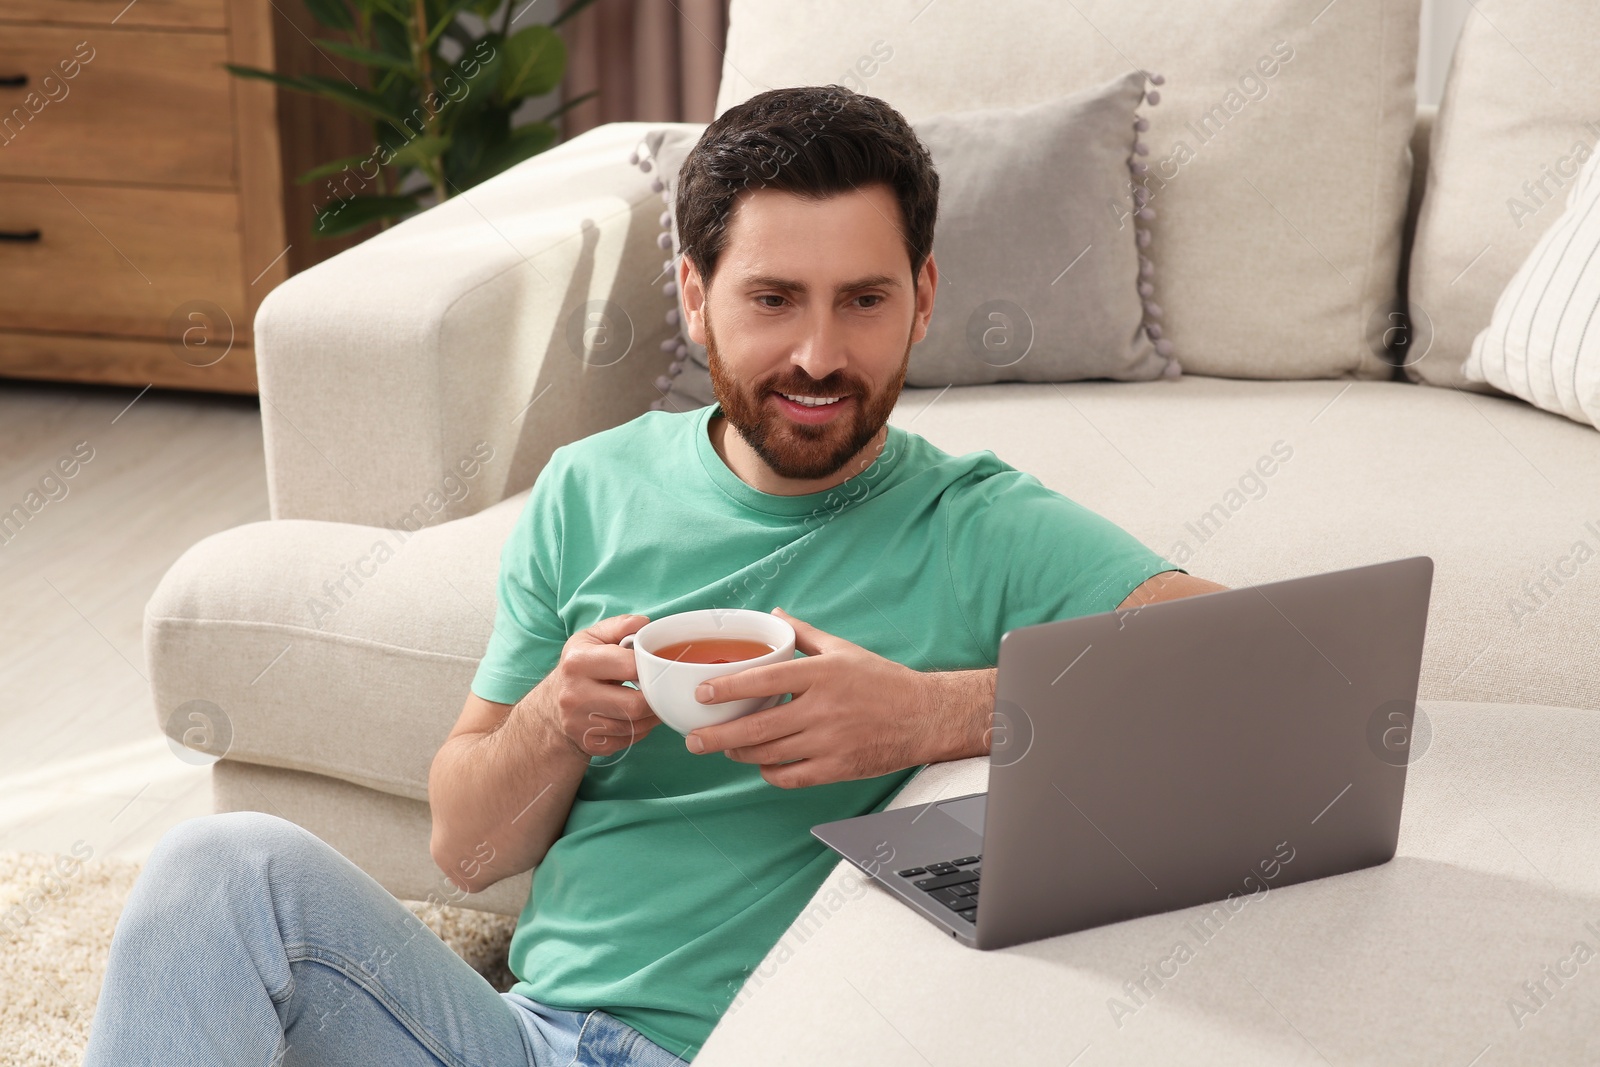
13	81
20	236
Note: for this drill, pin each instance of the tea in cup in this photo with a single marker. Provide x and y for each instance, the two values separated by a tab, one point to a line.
675	653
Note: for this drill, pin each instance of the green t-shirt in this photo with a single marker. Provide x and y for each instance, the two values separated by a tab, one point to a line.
676	873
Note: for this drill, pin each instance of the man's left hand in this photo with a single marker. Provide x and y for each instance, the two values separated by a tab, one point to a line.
854	714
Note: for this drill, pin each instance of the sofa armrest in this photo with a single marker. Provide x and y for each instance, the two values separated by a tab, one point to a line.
385	368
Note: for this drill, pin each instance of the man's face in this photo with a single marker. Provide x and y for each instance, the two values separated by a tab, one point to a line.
813	299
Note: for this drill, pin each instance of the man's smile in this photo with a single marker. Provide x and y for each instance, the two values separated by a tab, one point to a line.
814	414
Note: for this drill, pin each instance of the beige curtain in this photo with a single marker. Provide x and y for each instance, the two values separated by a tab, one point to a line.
651	60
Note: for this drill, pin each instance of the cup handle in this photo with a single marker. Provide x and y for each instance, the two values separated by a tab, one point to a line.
771	702
627	641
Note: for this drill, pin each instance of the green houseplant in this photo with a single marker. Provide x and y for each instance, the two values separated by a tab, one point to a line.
439	96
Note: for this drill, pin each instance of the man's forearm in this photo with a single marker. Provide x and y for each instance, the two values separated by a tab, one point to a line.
500	799
960	705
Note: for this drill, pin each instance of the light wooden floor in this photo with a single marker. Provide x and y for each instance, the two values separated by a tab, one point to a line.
82	761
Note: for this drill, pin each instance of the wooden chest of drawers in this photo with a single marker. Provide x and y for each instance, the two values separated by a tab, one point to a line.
147	201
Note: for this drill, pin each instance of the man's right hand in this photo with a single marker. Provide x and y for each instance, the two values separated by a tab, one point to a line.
502	785
589	706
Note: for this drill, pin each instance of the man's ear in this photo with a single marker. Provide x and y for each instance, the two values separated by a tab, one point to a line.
927	286
694	299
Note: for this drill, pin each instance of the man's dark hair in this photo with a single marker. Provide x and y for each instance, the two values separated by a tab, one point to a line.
814	141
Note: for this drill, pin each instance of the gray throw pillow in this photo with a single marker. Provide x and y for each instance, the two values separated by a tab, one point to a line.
1041	275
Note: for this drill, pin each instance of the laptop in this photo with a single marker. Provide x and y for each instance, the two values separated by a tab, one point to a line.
1190	751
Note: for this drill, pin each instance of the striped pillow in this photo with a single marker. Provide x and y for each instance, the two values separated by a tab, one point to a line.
1543	341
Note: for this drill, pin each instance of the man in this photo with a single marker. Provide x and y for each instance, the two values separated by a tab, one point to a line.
666	867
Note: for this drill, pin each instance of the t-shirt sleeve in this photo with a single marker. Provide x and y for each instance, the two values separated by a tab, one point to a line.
528	633
1021	553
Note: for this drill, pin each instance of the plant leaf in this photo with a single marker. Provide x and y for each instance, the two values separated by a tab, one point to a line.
333	166
390	36
523	142
328	88
288	81
536	56
331	13
417	152
358	99
346	216
481	82
570	104
447	19
472	137
399	12
367	56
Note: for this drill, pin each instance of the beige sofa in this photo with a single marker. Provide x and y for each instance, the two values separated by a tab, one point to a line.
413	386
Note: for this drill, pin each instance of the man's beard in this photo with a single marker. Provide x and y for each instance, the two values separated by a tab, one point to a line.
797	450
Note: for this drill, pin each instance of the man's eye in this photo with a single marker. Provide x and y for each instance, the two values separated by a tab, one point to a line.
876	298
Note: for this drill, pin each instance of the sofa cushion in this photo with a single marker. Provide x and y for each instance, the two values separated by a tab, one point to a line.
1023	195
1517	118
1247	482
1278	162
1542	342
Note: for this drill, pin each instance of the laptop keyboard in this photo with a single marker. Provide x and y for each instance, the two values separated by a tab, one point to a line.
953	883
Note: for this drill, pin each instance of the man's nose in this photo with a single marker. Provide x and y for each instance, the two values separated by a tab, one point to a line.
821	351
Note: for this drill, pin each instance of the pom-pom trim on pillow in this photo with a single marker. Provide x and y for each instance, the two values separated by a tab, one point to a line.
1144	213
677	345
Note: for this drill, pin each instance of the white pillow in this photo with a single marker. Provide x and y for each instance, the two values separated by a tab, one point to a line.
1543	340
1500	161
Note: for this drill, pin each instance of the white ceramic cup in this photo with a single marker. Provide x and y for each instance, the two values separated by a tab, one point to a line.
668	685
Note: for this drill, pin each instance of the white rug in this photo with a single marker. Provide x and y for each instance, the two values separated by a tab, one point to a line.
53	950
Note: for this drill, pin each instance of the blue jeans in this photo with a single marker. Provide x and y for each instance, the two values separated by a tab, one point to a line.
248	940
